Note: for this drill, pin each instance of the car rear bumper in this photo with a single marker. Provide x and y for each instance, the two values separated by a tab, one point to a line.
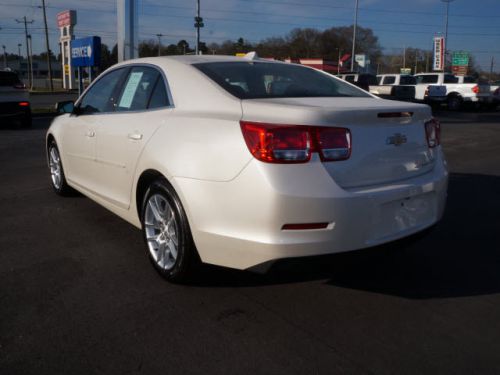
239	223
13	109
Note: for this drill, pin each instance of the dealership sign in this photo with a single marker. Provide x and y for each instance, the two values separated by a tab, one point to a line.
66	18
86	51
438	53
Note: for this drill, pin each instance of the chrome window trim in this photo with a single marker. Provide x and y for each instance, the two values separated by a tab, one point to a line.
129	66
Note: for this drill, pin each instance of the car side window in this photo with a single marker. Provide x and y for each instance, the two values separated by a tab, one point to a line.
389	80
448	78
159	98
138	89
429	78
101	97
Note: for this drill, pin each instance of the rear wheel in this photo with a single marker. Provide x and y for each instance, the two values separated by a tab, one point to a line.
57	176
166	232
454	103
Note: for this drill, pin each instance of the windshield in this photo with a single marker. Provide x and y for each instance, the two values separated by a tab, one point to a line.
258	80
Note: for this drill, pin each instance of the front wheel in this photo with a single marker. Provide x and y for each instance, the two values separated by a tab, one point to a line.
165	228
57	176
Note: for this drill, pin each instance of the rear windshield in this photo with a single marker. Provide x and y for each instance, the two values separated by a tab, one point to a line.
407	80
260	80
8	79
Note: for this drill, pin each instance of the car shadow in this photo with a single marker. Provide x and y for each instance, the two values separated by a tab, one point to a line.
458	257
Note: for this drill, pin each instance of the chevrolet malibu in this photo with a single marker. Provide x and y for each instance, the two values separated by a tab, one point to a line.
241	161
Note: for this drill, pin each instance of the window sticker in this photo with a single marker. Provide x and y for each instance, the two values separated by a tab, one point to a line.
130	89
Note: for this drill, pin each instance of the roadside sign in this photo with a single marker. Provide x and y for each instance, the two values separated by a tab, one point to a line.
460	70
438	53
86	51
66	18
361	60
460	59
405	70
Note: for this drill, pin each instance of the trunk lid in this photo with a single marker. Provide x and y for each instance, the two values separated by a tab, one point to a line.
387	146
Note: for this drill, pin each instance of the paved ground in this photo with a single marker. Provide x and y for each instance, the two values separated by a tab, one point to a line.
78	296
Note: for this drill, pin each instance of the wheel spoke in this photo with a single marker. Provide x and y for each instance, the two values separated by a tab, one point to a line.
154	210
173	249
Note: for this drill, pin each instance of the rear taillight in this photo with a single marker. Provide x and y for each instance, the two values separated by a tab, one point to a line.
433	132
333	143
24	104
475	89
276	143
20	86
427	91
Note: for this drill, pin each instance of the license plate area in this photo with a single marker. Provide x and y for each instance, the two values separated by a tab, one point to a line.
403	215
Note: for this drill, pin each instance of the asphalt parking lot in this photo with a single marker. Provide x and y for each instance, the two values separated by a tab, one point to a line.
78	295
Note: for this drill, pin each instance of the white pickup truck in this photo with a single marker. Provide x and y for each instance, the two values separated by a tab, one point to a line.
459	90
405	86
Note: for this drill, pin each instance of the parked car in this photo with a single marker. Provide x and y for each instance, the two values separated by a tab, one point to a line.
211	159
459	91
395	86
14	100
423	92
362	80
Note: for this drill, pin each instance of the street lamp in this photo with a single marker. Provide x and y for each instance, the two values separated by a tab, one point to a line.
159	43
446	29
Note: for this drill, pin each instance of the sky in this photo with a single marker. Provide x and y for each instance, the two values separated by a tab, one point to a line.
474	26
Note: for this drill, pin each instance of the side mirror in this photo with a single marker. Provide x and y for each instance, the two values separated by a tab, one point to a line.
65	107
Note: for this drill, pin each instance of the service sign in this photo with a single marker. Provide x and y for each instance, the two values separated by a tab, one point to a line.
438	53
66	18
86	51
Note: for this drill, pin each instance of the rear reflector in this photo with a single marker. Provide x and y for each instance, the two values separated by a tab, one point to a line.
433	133
475	89
304	226
24	104
277	143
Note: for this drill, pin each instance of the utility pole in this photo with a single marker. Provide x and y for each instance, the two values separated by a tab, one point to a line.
19	57
198	24
49	65
446	31
491	68
30	41
427	61
404	57
28	61
4	57
159	43
416	60
354	34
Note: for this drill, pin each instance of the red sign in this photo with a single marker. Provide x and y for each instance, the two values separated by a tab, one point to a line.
66	18
439	53
459	70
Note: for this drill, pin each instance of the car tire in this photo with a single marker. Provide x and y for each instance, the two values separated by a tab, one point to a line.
454	103
57	176
169	243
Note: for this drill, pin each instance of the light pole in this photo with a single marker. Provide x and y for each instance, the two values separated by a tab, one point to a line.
19	57
4	57
159	43
446	31
354	34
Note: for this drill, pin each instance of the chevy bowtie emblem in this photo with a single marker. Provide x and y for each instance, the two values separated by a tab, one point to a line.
396	140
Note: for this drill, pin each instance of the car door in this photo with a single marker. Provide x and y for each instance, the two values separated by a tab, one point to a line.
143	105
79	132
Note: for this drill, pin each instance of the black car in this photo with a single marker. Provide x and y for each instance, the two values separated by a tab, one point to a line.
14	100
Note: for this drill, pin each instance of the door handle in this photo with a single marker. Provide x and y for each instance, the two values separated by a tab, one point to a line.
90	134
135	136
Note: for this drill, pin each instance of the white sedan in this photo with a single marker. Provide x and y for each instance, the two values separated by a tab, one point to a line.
241	161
